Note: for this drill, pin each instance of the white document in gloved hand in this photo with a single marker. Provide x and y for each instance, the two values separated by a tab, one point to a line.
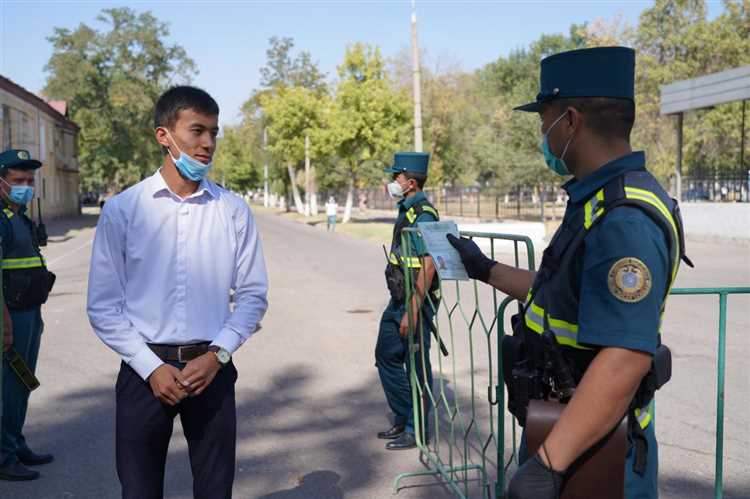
447	261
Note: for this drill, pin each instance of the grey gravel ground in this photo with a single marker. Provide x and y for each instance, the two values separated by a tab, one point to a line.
309	401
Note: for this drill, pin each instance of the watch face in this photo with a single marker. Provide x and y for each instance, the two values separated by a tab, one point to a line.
223	356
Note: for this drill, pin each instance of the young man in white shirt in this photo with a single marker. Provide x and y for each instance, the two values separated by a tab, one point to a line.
166	255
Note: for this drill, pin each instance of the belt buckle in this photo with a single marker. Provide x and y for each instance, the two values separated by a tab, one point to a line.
179	355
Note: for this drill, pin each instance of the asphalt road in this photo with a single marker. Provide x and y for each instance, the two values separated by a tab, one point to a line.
309	400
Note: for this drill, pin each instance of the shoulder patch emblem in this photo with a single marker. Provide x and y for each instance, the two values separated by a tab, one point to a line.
629	280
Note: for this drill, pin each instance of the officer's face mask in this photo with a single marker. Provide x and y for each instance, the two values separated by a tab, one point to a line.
396	190
189	167
554	163
19	194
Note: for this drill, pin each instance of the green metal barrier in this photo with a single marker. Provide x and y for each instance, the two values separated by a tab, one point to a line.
721	366
463	434
450	455
720	369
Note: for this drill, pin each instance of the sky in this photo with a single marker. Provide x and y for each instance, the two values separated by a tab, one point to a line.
228	39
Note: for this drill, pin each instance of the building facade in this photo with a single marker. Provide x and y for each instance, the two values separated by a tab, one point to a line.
29	122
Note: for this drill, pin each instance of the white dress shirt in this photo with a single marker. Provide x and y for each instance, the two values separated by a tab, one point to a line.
162	269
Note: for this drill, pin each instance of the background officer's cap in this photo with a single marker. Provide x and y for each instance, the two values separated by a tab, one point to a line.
414	162
595	72
18	159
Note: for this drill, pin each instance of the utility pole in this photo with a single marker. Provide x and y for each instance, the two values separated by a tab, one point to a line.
265	167
417	82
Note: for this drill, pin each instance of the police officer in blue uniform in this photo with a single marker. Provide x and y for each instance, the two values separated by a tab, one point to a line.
26	286
602	285
391	352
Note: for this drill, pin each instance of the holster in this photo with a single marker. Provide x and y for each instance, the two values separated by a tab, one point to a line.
394	279
26	288
599	472
521	373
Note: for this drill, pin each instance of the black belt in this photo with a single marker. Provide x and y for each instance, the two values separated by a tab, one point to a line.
179	353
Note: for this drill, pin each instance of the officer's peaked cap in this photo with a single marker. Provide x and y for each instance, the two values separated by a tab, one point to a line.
593	72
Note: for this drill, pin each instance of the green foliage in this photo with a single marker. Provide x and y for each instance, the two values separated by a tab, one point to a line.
237	158
112	77
674	42
281	70
291	114
368	121
111	80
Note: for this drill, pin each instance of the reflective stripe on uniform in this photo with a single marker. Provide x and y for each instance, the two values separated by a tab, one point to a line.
565	332
429	210
412	262
8	213
22	263
653	200
411	215
593	209
644	415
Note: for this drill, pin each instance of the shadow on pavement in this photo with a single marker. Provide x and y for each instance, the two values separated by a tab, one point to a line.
291	444
315	484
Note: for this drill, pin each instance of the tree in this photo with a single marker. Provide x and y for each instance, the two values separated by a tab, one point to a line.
236	162
111	80
291	114
281	70
369	119
672	41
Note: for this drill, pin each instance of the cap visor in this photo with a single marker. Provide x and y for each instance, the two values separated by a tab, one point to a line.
531	107
28	164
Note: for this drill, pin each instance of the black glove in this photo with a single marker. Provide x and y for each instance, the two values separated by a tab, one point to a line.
534	480
477	265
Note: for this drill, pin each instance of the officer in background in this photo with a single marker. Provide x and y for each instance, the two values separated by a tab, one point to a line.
26	286
391	352
603	280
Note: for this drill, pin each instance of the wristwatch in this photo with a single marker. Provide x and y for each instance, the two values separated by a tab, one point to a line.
221	355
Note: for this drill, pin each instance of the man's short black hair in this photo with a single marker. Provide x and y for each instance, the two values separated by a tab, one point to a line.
419	178
607	117
181	97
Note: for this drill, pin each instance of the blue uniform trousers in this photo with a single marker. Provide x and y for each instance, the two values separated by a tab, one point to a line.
27	334
392	361
636	486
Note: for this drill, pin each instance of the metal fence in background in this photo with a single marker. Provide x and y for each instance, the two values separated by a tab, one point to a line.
484	203
722	190
536	203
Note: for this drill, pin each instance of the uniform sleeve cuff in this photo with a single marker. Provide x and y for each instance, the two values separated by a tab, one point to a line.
145	362
228	340
624	340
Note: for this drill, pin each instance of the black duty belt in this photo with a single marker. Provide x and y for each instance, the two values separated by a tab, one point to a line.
179	353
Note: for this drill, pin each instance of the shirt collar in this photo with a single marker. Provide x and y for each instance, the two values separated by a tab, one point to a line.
578	190
158	185
407	203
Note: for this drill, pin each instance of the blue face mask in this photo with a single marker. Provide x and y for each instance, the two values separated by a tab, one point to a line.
189	167
554	163
20	194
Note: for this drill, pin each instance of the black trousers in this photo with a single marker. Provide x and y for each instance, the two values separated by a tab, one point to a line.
144	428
